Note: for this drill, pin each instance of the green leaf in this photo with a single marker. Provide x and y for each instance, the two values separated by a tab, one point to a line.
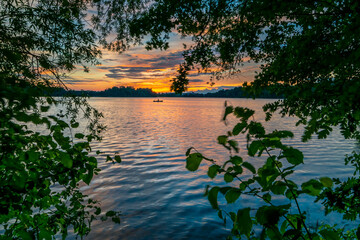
222	139
75	125
110	213
66	160
117	158
32	155
273	233
329	234
44	108
326	181
88	177
232	195
290	193
234	145
212	196
294	233
267	197
278	188
45	234
220	214
228	177
19	180
312	187
224	190
24	235
293	156
254	147
116	220
98	211
358	233
244	222
256	128
193	161
79	135
270	215
238	128
238	169
228	110
188	151
212	172
236	160
249	166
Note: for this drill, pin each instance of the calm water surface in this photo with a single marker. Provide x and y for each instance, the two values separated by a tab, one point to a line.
158	197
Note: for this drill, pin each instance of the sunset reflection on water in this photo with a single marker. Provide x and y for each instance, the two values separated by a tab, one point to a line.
158	197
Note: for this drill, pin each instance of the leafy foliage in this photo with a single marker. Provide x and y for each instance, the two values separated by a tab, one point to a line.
307	52
270	179
41	170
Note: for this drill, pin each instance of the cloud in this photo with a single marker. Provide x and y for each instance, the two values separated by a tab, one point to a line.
196	80
119	72
110	60
165	60
142	65
70	80
170	60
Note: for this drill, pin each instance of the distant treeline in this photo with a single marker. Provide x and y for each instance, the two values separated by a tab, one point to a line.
110	92
237	92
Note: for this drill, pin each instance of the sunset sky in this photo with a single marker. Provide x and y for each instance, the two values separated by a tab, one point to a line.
154	69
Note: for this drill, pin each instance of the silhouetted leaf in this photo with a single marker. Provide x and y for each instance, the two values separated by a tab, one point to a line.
188	151
236	160
267	197
278	188
292	233
228	177
293	156
222	139
228	110
256	128
249	166
238	128
312	187
88	177
110	213
254	147
234	145
212	196
65	159
212	172
244	222
270	215
117	158
329	234
193	161
44	108
326	181
232	195
79	135
116	220
45	234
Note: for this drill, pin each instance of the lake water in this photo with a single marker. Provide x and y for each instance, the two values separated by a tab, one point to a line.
158	197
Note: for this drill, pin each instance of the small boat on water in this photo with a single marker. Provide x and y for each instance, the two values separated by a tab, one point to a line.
158	100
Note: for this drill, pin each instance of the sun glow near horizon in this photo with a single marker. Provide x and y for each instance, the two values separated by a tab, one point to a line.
140	68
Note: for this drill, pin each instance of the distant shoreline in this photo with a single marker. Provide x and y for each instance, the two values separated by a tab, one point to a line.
237	92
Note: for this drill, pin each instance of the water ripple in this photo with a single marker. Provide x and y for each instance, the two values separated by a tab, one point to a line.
158	197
